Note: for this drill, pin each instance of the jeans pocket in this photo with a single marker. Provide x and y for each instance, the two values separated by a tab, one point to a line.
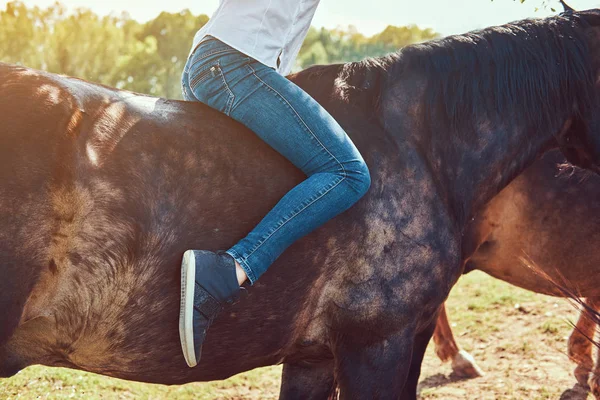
210	87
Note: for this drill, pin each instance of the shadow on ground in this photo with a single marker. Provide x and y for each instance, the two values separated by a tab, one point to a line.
438	380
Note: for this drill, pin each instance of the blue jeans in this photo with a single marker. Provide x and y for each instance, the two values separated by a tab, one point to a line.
295	125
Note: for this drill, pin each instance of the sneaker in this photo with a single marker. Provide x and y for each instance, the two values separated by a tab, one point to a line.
208	282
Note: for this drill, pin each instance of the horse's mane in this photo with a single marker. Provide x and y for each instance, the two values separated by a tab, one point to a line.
522	72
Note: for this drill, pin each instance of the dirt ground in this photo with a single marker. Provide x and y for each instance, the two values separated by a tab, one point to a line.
518	338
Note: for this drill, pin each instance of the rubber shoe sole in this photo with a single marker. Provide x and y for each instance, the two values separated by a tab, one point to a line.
186	311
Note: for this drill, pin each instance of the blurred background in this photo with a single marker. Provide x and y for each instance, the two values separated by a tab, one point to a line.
142	45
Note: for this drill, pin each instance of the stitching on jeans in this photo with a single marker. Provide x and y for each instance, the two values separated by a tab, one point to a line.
201	77
292	217
297	210
186	87
305	203
244	264
205	55
186	94
301	120
197	82
231	95
245	64
229	104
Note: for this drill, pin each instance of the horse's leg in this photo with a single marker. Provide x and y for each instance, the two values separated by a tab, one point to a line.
580	347
594	376
308	381
594	381
409	392
463	364
376	371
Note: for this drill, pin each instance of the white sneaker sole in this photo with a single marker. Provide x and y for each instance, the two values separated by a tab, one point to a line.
186	311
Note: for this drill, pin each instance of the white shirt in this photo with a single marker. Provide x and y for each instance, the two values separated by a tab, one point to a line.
262	29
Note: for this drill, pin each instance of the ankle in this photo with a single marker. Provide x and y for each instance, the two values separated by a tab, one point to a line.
240	274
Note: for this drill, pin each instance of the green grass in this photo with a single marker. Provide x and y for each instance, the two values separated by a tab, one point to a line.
479	303
58	383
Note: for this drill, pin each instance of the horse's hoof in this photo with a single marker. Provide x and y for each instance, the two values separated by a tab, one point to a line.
581	374
464	366
594	384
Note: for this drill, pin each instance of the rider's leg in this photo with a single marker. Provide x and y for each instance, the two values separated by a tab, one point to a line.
295	125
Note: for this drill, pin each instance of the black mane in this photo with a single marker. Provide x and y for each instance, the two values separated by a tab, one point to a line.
527	73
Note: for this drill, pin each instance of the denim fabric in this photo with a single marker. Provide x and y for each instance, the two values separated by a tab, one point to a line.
295	125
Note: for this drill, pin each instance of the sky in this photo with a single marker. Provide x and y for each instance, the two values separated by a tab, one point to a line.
369	16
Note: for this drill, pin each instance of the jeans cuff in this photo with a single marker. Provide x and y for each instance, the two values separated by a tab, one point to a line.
244	264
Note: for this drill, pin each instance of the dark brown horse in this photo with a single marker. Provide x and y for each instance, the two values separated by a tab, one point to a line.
550	217
101	191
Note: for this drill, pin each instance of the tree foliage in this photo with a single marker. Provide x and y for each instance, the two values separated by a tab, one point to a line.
148	57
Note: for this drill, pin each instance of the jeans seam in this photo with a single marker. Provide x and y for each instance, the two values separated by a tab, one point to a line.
297	210
241	101
231	95
243	263
263	241
301	120
186	97
186	94
206	55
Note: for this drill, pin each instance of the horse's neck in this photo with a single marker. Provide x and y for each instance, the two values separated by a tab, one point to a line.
477	169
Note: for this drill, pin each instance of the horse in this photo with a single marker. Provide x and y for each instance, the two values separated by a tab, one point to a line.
548	216
102	191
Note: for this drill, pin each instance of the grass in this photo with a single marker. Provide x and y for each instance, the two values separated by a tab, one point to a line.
58	383
478	309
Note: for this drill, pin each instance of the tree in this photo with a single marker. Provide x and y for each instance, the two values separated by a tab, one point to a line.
149	58
339	45
172	35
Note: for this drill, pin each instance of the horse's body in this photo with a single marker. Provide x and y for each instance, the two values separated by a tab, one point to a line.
102	191
545	217
548	218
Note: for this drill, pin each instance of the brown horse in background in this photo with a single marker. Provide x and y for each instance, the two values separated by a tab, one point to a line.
102	190
550	216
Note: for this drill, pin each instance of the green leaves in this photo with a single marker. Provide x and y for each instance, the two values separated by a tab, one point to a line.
338	45
148	58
